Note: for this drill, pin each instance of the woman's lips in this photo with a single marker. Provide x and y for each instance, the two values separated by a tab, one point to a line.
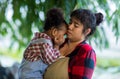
69	32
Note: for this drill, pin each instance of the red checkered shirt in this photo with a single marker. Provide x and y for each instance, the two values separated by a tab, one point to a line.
41	47
82	62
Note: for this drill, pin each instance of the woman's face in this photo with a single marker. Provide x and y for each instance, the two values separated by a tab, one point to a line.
75	30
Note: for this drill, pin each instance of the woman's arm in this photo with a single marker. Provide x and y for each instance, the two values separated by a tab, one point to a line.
82	65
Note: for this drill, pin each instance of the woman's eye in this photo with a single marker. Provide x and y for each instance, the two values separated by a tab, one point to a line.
76	25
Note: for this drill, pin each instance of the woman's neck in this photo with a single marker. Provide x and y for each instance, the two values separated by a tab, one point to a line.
69	46
75	43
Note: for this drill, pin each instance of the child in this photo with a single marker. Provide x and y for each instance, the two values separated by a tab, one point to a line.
44	47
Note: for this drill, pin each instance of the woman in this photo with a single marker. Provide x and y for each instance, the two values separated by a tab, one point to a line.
82	56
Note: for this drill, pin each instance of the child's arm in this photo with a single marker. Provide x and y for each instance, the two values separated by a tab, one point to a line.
49	54
43	51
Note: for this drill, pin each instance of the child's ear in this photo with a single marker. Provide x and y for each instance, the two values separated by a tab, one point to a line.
87	31
54	32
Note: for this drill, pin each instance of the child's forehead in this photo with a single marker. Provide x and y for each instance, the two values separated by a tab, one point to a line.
63	26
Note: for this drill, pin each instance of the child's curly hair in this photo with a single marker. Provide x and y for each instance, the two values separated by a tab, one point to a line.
54	18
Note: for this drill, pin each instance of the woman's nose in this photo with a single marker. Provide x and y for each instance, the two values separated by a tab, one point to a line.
70	26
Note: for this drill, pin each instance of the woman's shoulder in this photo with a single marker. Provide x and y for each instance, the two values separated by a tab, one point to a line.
85	46
85	49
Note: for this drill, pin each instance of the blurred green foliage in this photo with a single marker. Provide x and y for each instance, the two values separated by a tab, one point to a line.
106	62
15	55
26	17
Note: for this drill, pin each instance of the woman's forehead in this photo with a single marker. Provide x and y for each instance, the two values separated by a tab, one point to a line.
75	20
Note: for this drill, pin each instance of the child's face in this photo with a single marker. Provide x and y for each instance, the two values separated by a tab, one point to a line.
60	36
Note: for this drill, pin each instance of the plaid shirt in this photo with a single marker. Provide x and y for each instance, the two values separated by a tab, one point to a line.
82	62
41	47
